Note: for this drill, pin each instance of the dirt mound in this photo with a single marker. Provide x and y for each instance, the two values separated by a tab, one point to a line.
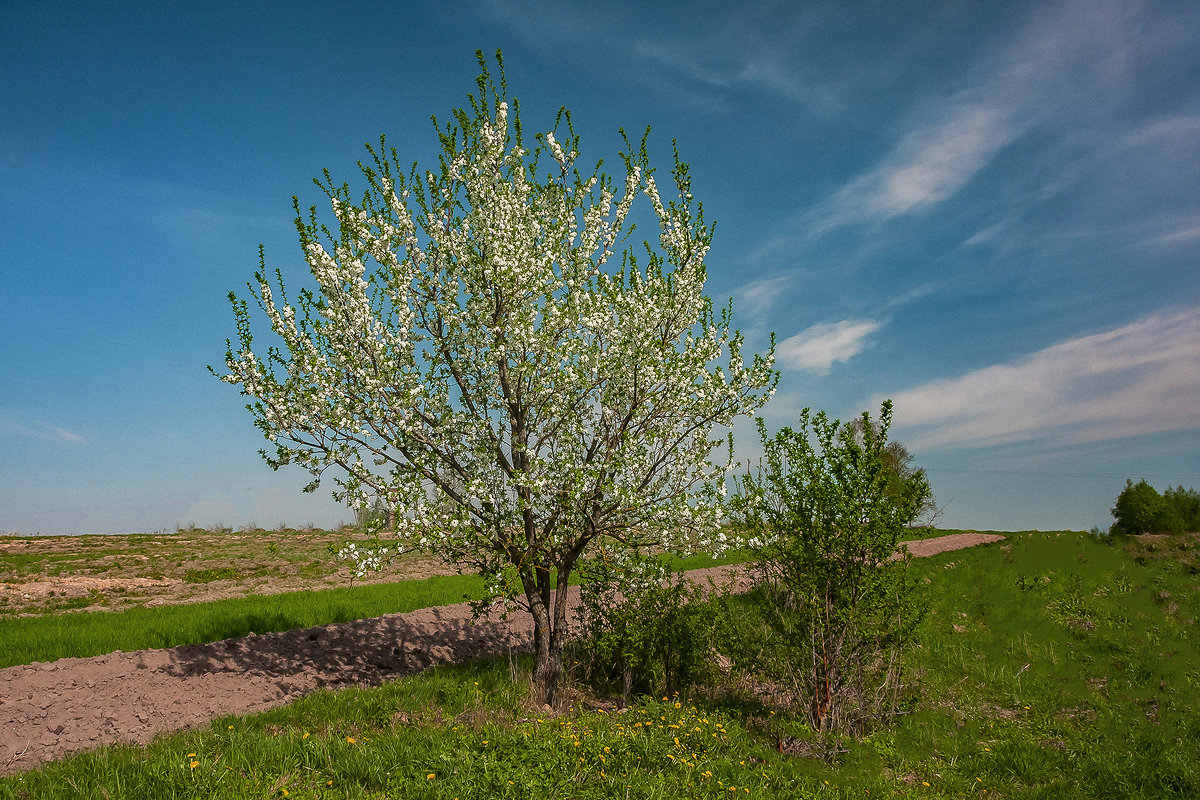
48	710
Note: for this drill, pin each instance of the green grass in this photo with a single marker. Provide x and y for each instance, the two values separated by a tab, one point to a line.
1050	666
27	639
24	640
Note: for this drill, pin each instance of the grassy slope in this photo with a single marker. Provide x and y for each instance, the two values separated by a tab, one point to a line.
1061	667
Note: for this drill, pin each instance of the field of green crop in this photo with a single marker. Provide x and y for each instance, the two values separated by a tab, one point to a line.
1053	665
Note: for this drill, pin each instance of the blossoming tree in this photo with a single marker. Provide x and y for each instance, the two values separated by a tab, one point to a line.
467	354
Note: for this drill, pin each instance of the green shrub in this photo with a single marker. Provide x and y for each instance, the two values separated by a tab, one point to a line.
1183	509
644	628
1141	509
835	607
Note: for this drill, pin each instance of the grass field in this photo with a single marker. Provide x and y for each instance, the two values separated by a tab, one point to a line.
24	640
1052	666
51	636
67	574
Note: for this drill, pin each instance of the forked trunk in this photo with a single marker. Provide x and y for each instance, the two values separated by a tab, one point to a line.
543	678
549	635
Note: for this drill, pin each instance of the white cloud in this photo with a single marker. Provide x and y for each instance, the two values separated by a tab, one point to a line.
929	166
1067	53
761	295
1141	378
817	348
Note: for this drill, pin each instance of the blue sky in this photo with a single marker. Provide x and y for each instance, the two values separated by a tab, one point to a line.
989	212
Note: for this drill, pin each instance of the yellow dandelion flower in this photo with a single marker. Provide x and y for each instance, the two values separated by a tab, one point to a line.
430	776
193	765
191	755
924	783
350	739
306	735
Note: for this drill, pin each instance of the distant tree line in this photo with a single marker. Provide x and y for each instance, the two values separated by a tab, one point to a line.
1141	509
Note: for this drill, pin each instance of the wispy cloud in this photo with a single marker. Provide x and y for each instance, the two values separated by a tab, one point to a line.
753	301
1065	50
1141	378
929	166
1180	237
739	59
43	431
762	294
818	347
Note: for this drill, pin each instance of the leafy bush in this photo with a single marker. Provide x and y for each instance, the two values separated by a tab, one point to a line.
644	628
1183	509
1141	509
836	607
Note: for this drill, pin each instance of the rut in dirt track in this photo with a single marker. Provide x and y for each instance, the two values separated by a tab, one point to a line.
48	710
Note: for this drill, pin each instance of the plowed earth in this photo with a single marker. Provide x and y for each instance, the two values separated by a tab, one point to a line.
48	710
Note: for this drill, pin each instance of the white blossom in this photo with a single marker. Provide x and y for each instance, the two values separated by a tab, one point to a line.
465	350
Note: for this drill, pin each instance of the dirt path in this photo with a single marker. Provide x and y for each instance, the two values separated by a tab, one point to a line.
49	710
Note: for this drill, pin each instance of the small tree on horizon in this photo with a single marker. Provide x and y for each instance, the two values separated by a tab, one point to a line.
1139	508
469	355
899	462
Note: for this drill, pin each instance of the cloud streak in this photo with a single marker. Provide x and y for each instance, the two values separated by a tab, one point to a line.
946	143
928	167
1142	378
42	431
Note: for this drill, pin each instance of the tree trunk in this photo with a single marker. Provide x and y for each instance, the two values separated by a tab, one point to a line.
549	634
547	647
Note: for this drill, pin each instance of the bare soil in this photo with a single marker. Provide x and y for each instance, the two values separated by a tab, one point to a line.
42	575
49	710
